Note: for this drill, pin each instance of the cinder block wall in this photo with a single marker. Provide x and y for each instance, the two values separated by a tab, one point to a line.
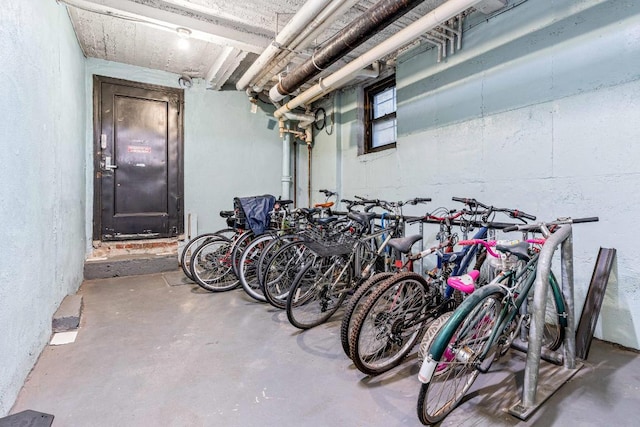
42	109
538	111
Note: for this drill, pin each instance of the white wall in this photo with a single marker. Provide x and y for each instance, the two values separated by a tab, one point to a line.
42	106
539	111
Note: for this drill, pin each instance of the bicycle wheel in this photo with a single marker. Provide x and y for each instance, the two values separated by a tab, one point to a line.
554	316
193	244
318	291
268	252
281	270
390	322
211	265
454	356
355	303
239	245
248	266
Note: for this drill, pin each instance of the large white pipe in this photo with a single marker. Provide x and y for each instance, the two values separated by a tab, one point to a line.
298	23
332	12
441	14
286	165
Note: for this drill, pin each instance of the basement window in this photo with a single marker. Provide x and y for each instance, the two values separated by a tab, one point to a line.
380	115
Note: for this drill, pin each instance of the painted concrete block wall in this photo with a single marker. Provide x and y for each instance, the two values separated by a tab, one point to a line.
42	109
538	112
228	151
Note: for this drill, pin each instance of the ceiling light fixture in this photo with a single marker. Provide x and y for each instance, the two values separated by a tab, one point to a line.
183	33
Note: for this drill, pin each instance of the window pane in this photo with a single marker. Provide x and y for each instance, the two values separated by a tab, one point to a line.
384	132
384	102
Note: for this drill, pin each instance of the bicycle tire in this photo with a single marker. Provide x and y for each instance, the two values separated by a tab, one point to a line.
379	338
355	303
211	266
269	251
554	318
239	245
247	270
192	245
189	248
454	361
318	291
281	272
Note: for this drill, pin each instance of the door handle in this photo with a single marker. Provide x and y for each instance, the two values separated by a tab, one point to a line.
108	165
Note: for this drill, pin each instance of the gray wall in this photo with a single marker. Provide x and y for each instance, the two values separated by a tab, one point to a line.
539	111
228	150
42	131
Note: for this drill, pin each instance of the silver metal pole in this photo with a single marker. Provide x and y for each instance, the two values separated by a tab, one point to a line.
543	270
567	290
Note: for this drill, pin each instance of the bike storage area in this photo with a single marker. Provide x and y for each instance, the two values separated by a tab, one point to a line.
463	302
383	213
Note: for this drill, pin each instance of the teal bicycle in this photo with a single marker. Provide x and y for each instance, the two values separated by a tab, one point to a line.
466	342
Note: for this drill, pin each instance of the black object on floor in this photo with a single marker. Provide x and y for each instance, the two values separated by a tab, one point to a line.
27	418
593	303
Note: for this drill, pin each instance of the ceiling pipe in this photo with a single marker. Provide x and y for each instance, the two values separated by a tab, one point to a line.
332	12
370	73
304	120
441	14
298	23
353	35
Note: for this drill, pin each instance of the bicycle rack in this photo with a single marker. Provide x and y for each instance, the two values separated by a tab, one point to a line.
532	397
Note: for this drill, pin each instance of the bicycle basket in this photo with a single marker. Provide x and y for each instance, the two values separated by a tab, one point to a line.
329	245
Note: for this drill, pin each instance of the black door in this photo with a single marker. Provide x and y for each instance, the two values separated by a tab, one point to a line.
139	158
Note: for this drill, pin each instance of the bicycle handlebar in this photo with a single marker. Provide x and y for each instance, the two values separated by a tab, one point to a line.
470	202
328	193
560	221
492	243
513	213
418	200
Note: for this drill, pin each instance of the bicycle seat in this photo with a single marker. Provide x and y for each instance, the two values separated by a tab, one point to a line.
309	211
403	244
226	214
325	221
465	283
519	250
323	205
284	202
363	218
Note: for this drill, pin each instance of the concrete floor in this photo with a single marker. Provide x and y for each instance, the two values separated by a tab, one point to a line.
153	351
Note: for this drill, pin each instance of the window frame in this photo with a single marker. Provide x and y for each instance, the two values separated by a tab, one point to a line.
369	94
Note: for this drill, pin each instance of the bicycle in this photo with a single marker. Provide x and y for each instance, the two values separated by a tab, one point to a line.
481	330
193	244
214	264
290	253
300	221
281	224
395	314
323	284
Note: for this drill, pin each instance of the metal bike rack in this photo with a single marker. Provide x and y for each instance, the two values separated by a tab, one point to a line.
532	396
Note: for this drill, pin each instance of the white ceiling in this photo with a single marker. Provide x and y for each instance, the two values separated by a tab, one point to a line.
226	35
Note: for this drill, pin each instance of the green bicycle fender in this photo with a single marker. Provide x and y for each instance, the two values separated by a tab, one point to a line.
443	338
557	295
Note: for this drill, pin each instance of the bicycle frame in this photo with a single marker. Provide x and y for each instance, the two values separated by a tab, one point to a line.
508	284
355	258
462	259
